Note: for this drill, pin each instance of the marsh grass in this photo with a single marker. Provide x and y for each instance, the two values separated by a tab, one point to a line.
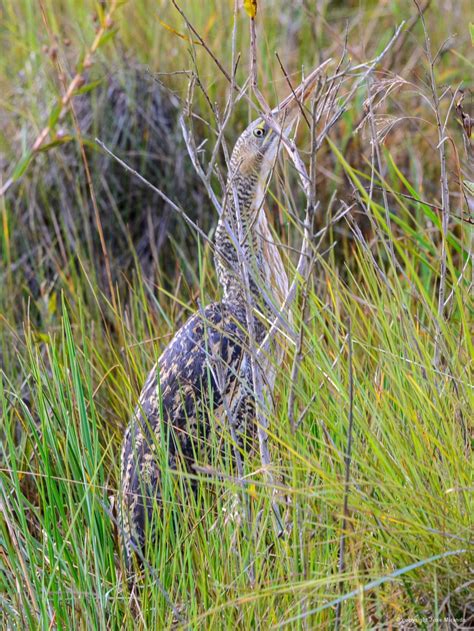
74	360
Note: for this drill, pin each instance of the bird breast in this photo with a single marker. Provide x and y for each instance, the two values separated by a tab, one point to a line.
275	275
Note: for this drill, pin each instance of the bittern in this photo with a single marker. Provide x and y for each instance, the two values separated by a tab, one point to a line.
204	374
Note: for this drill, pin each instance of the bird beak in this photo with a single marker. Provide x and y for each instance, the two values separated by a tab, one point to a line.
289	110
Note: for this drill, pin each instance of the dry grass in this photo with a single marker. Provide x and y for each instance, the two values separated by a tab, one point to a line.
76	343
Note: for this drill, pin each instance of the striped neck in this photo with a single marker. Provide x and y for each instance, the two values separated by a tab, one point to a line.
244	240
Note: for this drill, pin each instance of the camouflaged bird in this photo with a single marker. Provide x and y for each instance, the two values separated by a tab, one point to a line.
204	374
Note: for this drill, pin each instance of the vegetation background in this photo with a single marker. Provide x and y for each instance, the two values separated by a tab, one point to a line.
97	273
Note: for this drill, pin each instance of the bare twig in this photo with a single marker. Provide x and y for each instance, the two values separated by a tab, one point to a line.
305	179
342	74
262	420
285	73
310	216
376	151
203	43
298	358
411	23
160	193
445	205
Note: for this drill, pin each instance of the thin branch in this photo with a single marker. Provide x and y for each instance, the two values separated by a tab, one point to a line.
285	74
305	180
163	196
310	219
445	204
376	149
298	358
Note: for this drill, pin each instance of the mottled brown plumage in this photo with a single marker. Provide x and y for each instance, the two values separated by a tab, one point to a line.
204	374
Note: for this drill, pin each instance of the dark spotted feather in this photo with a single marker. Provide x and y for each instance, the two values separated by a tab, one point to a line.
204	363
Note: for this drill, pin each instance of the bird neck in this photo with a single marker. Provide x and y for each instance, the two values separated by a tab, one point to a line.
245	246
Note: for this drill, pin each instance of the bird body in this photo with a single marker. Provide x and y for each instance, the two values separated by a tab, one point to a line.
204	375
186	386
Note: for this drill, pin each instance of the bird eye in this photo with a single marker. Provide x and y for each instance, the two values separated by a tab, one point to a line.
259	132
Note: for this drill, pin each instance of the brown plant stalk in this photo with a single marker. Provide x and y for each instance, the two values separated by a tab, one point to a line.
71	90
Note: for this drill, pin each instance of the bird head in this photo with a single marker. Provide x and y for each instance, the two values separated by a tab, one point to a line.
251	164
257	147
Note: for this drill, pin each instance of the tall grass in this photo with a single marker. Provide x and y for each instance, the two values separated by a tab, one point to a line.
74	360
